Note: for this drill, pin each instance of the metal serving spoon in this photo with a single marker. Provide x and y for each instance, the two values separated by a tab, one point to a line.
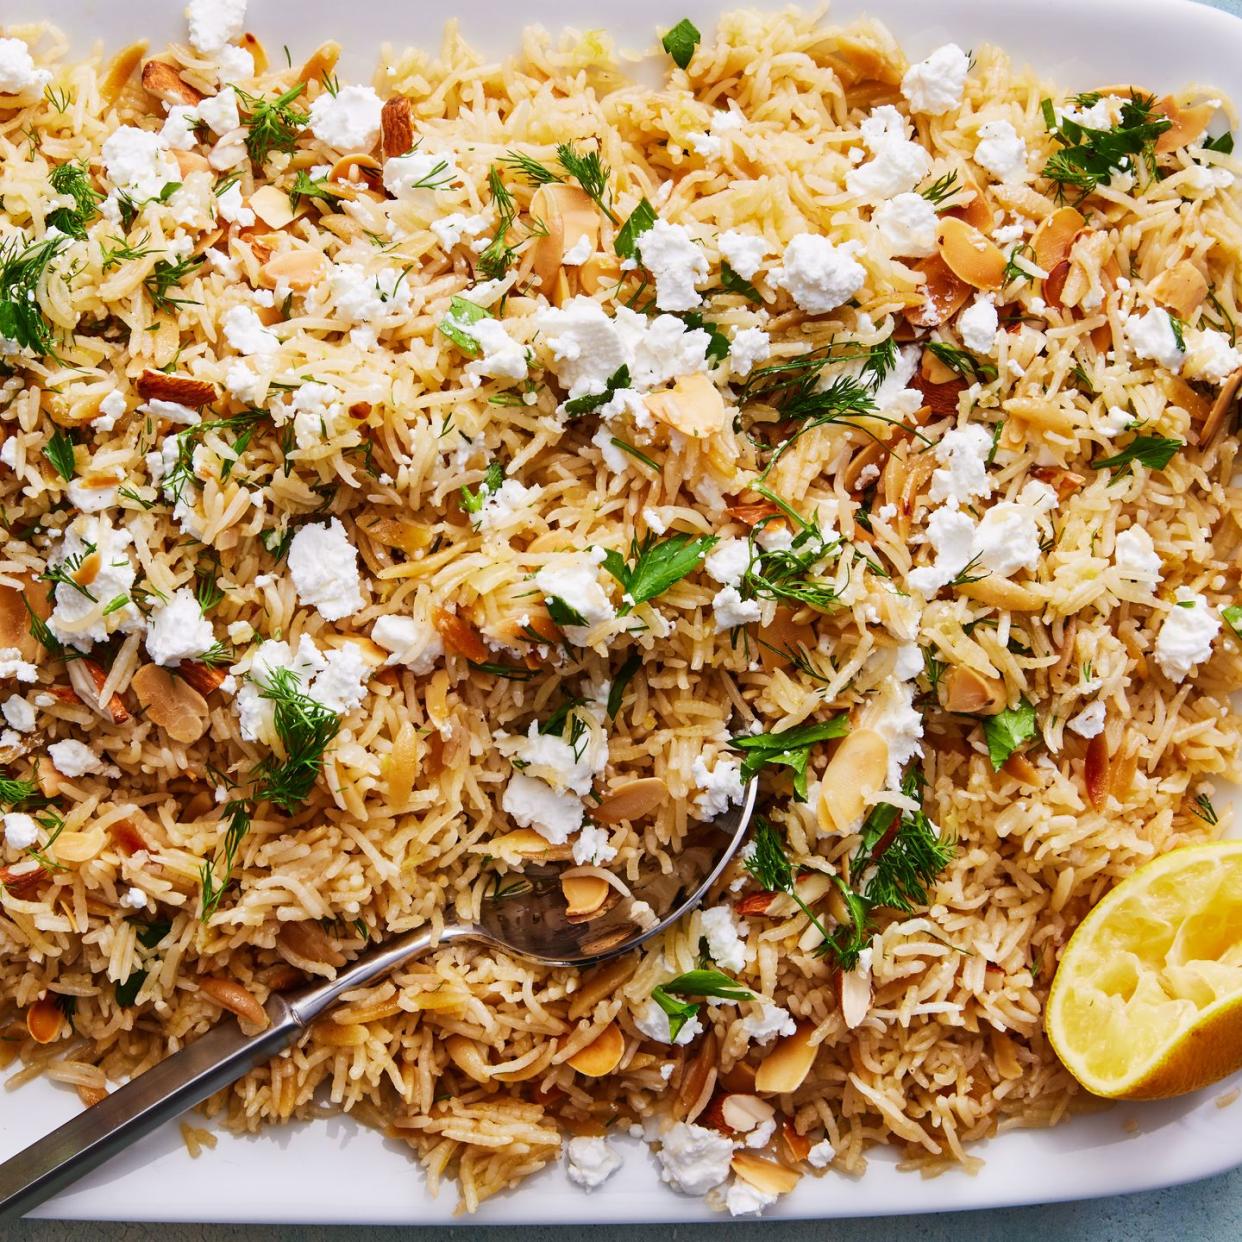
531	924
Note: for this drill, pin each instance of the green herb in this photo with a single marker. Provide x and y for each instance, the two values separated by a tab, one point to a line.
13	791
530	168
61	98
1089	157
640	220
966	365
1233	618
206	585
625	674
718	344
791	574
495	260
493	477
39	629
127	990
115	604
23	266
1178	329
237	814
272	124
731	282
1222	143
74	180
306	729
305	188
1155	452
563	613
53	825
592	401
1204	809
940	189
590	174
681	41
59	451
62	573
1078	373
455	325
656	566
1007	730
167	276
790	748
508	671
1225	322
771	869
216	655
1013	270
694	983
150	934
123	252
626	447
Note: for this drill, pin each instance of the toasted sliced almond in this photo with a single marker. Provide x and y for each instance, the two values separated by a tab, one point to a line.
743	1113
401	766
584	894
121	69
1180	289
868	458
320	63
171	703
1221	408
944	294
1001	593
467	1056
603	982
855	989
969	255
1187	123
632	800
1054	238
459	635
230	995
156	386
355	168
598	271
44	1019
396	127
301	268
602	1055
403	533
795	1146
568	215
272	206
164	82
786	1067
1181	394
523	843
974	210
1054	283
308	940
964	690
698	1079
88	677
1022	769
693	406
855	773
1096	771
205	678
765	1175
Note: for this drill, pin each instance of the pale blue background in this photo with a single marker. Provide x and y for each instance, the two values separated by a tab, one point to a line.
1208	1211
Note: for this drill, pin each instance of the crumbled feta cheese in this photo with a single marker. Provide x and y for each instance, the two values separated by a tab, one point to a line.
893	716
21	831
1151	336
821	1155
510	501
743	1199
1209	356
449	230
555	814
235	64
653	1023
1007	538
405	175
8	452
1185	638
134	899
219	112
898	164
254	710
73	759
710	145
78	619
728	561
245	384
173	411
591	848
1115	421
590	1162
364	298
503	357
934	86
348	120
232	208
341	684
963	471
19	713
13	666
951	535
177	630
671	256
1090	721
719	788
324	567
410	642
693	1158
1135	556
1208	179
724	944
743	252
653	519
91	495
748	347
908	224
978	325
818	275
573	578
179	132
246	333
578	253
214	23
1001	151
18	74
731	610
110	409
771	1020
137	163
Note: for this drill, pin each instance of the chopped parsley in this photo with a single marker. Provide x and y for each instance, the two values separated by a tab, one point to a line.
656	565
694	983
1233	618
625	674
59	451
591	401
455	325
1089	157
472	502
681	41
731	282
790	748
640	220
1155	452
1007	730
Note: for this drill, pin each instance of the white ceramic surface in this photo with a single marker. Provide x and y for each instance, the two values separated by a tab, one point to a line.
334	1171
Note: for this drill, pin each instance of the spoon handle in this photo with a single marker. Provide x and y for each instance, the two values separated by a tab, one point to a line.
181	1081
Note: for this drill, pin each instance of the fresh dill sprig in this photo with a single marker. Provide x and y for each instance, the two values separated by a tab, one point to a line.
1013	270
215	874
305	729
1089	157
59	451
13	792
530	168
975	370
942	188
591	174
272	124
74	180
124	252
23	266
769	865
790	574
304	188
167	276
44	636
496	259
1204	809
62	573
62	98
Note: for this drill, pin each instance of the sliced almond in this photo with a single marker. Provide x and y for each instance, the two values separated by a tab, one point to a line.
88	678
251	43
156	386
869	458
1181	394
598	272
205	678
692	406
45	1019
568	215
164	82
855	773
764	1175
1001	593
120	70
795	1146
230	995
944	294
1187	123
855	989
697	1080
403	533
460	636
743	1113
171	703
1096	771
1042	414
785	1068
401	766
308	940
1054	238
969	255
1180	289
396	127
320	63
467	1056
524	843
974	210
23	882
1022	769
301	268
632	800
940	396
1221	408
1054	283
272	206
355	168
602	1055
190	161
964	690
603	982
584	894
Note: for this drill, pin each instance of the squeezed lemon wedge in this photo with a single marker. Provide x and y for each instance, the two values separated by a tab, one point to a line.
1147	999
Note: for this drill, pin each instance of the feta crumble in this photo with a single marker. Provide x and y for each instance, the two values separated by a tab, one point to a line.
908	223
898	164
21	831
590	1162
1001	151
324	567
1185	638
1151	335
215	23
409	641
743	252
177	629
978	325
934	86
818	275
348	120
1090	721
73	759
671	256
17	70
694	1159
724	943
